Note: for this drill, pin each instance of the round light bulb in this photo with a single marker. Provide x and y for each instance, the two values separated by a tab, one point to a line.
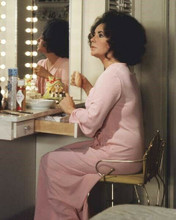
3	41
28	30
3	28
34	42
34	76
34	53
29	8
35	7
34	30
2	91
3	79
28	19
27	53
27	65
3	3
27	76
3	54
34	65
3	16
28	42
2	66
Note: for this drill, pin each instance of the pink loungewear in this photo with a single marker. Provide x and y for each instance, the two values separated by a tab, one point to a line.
60	70
113	118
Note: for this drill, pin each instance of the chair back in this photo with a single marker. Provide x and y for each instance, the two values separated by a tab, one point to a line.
153	157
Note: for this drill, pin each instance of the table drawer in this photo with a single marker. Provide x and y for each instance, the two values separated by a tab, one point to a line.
23	128
61	128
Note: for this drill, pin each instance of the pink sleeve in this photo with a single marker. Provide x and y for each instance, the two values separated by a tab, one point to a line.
63	71
40	83
101	99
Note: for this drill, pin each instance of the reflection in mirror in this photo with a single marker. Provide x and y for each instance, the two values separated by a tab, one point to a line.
36	15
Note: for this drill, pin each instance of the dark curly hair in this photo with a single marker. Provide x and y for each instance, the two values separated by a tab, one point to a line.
126	36
56	36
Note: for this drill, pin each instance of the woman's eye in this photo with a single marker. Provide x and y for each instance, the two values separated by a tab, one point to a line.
101	35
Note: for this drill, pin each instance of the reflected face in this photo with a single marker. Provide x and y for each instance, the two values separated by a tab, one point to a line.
41	45
99	45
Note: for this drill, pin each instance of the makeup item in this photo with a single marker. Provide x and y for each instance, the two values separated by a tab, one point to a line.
21	95
12	88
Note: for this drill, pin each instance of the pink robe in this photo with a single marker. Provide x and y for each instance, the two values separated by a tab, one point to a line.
59	70
113	118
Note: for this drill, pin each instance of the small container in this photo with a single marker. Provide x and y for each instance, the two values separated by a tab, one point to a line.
21	95
12	88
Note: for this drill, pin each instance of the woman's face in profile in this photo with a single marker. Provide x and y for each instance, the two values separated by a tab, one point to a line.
99	45
41	45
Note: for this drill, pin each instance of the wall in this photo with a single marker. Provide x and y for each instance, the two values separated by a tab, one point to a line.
172	105
17	178
152	73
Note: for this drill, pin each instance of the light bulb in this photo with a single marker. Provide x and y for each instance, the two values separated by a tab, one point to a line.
3	3
3	28
35	30
34	76
34	42
27	76
2	79
3	41
27	53
28	42
29	8
3	16
27	65
34	53
3	53
34	65
28	30
2	66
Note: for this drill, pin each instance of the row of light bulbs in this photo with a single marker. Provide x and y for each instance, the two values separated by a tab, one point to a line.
2	43
31	31
27	42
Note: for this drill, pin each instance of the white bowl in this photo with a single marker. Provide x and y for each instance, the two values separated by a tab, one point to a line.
40	104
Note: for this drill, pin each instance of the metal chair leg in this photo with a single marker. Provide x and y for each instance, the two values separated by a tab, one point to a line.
164	188
158	192
146	193
137	194
112	195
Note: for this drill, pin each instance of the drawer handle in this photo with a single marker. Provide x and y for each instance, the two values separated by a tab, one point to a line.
27	128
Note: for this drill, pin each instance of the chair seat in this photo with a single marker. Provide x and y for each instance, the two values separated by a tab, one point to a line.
128	179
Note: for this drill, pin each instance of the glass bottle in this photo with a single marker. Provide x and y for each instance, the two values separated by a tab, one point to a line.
21	95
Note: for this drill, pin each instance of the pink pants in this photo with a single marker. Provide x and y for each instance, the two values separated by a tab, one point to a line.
66	176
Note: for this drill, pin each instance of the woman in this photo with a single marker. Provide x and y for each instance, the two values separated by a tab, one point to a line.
54	44
112	117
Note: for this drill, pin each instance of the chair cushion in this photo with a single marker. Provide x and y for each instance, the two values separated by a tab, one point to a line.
128	179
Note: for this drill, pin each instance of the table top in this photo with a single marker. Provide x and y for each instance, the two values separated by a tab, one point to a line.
15	116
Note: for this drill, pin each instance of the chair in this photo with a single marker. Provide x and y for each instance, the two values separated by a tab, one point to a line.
152	167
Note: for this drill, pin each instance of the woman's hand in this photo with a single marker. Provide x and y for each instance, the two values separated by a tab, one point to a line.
79	80
41	71
67	104
76	79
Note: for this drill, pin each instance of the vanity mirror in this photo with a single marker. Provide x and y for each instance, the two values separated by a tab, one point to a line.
30	15
35	14
21	23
